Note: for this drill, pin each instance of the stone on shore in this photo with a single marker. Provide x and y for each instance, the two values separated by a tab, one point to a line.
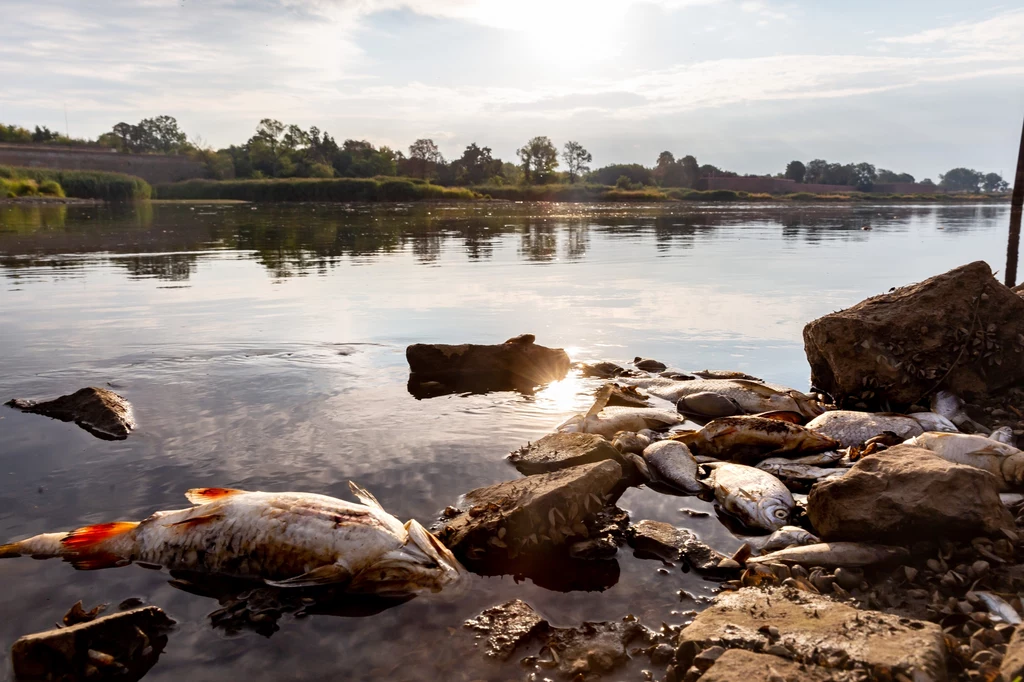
668	543
121	646
739	665
507	626
532	514
810	628
1012	667
592	649
906	494
102	413
517	364
562	450
962	331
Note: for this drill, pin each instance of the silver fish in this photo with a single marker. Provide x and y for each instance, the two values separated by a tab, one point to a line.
724	374
950	406
749	439
607	421
787	536
707	404
286	539
756	498
1004	434
752	396
820	459
999	607
784	469
932	421
1004	461
852	428
834	555
1011	499
627	441
672	463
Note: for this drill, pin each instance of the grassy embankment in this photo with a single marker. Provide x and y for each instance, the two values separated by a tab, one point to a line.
80	184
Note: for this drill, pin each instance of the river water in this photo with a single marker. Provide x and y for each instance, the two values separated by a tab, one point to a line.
263	348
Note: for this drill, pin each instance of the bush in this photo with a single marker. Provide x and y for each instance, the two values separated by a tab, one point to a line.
86	184
51	188
311	189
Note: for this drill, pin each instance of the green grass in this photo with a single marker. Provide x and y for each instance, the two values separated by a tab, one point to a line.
312	189
26	187
84	184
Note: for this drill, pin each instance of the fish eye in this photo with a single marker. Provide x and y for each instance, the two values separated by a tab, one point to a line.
781	514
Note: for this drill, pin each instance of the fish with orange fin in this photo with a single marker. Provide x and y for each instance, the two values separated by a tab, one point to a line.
285	539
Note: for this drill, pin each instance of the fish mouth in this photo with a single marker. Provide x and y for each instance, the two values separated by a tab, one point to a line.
424	564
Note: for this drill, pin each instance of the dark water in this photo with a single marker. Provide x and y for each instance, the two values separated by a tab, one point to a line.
263	348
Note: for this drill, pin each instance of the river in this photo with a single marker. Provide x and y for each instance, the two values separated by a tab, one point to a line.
262	347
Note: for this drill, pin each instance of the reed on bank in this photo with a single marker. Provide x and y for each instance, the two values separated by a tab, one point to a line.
313	189
84	184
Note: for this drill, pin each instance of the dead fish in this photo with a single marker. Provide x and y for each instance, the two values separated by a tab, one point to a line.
1004	434
627	441
999	607
752	396
852	428
640	464
1004	461
751	439
950	406
671	463
607	421
724	374
819	459
756	498
932	421
604	370
784	416
285	539
787	536
834	555
625	396
784	469
706	404
1011	499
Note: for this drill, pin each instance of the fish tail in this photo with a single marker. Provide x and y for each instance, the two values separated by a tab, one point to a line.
45	546
9	551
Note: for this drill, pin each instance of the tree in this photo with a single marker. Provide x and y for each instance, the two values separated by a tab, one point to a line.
540	159
960	180
887	176
795	171
863	175
634	172
815	171
424	155
993	182
576	159
43	134
477	165
928	182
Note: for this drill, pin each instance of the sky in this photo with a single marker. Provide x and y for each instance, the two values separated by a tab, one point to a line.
747	85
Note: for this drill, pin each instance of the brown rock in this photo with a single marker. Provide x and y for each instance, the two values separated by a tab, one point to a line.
507	626
562	450
738	665
123	646
593	649
814	628
533	513
669	543
518	364
961	330
102	413
906	494
1012	667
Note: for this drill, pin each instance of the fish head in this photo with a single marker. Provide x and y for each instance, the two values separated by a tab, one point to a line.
806	404
573	424
423	564
815	441
772	513
1013	469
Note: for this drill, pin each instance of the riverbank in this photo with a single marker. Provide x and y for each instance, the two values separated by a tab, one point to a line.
84	184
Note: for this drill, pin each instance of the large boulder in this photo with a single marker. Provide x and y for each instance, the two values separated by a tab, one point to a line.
905	494
810	628
532	514
562	450
962	330
99	411
518	364
739	665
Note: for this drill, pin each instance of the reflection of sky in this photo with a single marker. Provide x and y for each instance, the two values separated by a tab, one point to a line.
249	378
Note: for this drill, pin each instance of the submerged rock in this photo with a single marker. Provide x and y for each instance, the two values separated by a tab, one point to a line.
507	626
808	627
669	543
562	450
102	413
738	665
530	514
517	364
592	649
907	494
962	331
123	646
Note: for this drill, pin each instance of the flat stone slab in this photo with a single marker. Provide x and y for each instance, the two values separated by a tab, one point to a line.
810	628
507	626
667	542
562	450
102	413
738	665
517	364
533	513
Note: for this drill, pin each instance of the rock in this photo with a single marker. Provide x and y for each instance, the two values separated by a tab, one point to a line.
122	646
593	649
594	548
533	513
102	413
906	494
604	370
626	396
518	364
1012	667
562	450
962	331
815	628
669	543
738	665
648	365
507	626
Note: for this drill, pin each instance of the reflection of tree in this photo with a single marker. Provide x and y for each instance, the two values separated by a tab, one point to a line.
538	241
172	267
577	239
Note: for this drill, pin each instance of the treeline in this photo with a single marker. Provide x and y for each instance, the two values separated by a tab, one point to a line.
279	150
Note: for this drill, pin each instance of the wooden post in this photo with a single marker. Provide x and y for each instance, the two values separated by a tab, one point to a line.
1016	206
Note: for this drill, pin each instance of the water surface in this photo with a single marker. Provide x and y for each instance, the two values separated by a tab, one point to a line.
263	348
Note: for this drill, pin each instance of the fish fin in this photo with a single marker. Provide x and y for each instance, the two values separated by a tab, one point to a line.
364	496
324	575
204	495
10	551
196	521
86	538
603	396
94	562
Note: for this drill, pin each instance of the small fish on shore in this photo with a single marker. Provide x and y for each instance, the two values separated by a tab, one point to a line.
756	498
787	536
673	464
834	555
852	429
749	439
1004	461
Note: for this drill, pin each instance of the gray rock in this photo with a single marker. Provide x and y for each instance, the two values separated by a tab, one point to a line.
815	628
738	665
518	364
533	513
669	543
593	649
507	626
102	413
562	450
906	494
649	365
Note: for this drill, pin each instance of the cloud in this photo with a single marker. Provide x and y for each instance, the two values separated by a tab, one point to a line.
1002	34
